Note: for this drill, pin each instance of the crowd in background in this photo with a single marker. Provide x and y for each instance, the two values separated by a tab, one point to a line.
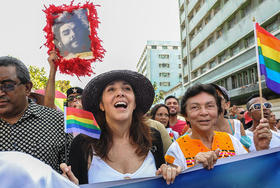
137	140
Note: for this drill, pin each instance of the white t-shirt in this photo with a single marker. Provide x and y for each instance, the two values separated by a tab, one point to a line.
100	171
275	140
180	160
24	171
237	133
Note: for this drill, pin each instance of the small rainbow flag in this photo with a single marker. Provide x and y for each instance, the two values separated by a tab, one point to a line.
268	51
81	121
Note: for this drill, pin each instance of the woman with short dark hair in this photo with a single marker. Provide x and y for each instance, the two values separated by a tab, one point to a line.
201	106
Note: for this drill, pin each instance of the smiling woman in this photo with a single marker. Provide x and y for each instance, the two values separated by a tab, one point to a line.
201	105
127	147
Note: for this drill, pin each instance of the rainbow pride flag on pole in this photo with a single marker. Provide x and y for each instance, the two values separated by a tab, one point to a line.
268	53
81	121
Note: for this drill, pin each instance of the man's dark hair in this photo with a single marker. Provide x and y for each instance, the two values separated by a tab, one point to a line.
21	69
255	95
171	97
197	89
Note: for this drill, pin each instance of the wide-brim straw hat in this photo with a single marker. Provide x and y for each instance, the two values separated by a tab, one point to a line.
142	87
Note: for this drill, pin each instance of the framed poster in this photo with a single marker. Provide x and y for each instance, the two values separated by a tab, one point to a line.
71	32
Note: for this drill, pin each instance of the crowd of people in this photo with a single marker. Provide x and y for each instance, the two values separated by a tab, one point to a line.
137	140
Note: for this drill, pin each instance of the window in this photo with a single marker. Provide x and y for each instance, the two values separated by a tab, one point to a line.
199	27
180	76
273	26
250	41
190	16
164	74
234	82
219	32
164	47
201	48
198	7
195	74
210	41
245	76
164	65
191	36
253	75
247	8
235	50
186	79
216	8
207	19
164	83
203	69
193	54
212	64
180	66
222	57
175	47
232	22
240	79
163	56
154	47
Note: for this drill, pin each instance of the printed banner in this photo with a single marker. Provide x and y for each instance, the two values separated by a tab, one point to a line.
257	169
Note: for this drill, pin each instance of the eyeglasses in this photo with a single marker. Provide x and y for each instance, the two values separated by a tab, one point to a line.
71	98
8	86
257	106
242	112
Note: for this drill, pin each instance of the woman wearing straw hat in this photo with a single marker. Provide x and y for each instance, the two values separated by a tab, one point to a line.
126	148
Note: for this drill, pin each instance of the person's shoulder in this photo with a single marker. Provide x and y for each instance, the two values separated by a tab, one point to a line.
181	122
46	110
46	114
179	117
153	123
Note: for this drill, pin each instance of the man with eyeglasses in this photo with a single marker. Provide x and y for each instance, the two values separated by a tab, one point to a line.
260	132
74	97
24	125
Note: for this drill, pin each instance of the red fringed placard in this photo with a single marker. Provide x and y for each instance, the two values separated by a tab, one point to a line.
75	66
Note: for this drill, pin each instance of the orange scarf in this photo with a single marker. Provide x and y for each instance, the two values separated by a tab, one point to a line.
191	147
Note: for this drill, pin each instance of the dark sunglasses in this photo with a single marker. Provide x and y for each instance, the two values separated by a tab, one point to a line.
8	86
257	106
242	112
71	98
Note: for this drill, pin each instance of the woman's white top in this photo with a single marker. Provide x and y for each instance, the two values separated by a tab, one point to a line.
100	171
237	133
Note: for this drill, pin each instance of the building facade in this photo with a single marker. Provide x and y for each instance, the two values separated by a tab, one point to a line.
218	44
161	63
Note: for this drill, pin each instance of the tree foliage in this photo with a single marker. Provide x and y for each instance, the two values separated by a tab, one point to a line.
158	94
39	79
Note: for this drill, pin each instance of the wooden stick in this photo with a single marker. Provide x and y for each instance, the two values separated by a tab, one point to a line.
258	67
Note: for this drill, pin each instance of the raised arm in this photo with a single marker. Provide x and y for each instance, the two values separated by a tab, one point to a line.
50	88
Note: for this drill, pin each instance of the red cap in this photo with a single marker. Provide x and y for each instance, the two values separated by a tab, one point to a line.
247	117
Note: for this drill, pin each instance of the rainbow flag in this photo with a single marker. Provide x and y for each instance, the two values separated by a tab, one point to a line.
81	121
269	57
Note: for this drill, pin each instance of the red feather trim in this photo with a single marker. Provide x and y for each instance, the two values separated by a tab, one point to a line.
75	66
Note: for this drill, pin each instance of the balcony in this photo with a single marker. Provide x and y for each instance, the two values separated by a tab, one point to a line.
240	29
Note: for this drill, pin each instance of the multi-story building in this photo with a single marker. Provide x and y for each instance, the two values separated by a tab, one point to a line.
218	44
160	62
